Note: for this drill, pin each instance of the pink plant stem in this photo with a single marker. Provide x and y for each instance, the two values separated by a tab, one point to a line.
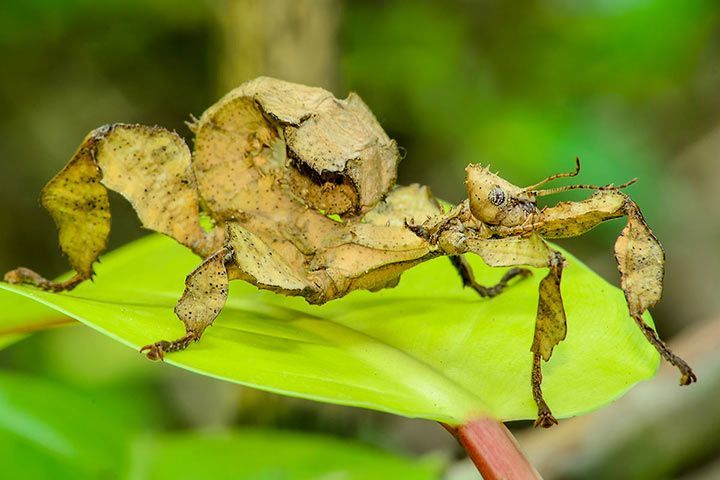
493	450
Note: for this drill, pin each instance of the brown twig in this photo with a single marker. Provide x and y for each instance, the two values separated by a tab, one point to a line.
493	450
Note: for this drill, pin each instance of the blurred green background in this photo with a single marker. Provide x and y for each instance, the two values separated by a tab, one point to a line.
630	86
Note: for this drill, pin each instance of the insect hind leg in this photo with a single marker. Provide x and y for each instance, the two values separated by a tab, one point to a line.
24	275
150	167
206	290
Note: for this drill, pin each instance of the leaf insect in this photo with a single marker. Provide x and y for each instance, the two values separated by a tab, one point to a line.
300	187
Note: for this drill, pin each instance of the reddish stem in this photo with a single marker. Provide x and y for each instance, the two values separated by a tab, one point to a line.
493	450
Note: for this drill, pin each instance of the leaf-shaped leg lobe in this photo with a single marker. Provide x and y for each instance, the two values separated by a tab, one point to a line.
641	262
206	290
639	255
550	324
550	329
245	256
80	207
150	167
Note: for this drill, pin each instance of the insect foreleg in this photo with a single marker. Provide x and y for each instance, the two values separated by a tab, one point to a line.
640	257
550	329
550	323
468	279
641	262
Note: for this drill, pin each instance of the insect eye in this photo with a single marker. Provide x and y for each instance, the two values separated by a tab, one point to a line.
497	196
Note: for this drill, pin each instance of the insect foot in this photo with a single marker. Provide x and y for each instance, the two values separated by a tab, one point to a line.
687	376
545	418
157	350
25	275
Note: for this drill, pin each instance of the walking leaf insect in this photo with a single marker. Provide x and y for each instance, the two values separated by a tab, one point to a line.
300	187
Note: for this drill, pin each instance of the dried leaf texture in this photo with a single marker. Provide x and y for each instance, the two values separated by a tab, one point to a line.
274	159
570	219
149	166
261	264
510	251
206	290
641	261
551	323
340	160
79	205
373	252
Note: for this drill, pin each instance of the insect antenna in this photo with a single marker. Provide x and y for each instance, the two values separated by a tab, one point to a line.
551	191
556	176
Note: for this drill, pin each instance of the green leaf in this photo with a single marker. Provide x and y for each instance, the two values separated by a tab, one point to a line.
426	348
21	316
49	430
267	455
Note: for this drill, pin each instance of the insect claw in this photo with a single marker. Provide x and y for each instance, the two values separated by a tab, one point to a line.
155	351
688	377
545	419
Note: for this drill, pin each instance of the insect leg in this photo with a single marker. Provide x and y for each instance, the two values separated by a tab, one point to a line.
545	417
25	275
150	167
468	279
245	256
550	323
639	255
550	329
641	262
206	290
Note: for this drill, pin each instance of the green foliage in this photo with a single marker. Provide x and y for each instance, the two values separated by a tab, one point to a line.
527	86
52	431
425	349
21	316
272	455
